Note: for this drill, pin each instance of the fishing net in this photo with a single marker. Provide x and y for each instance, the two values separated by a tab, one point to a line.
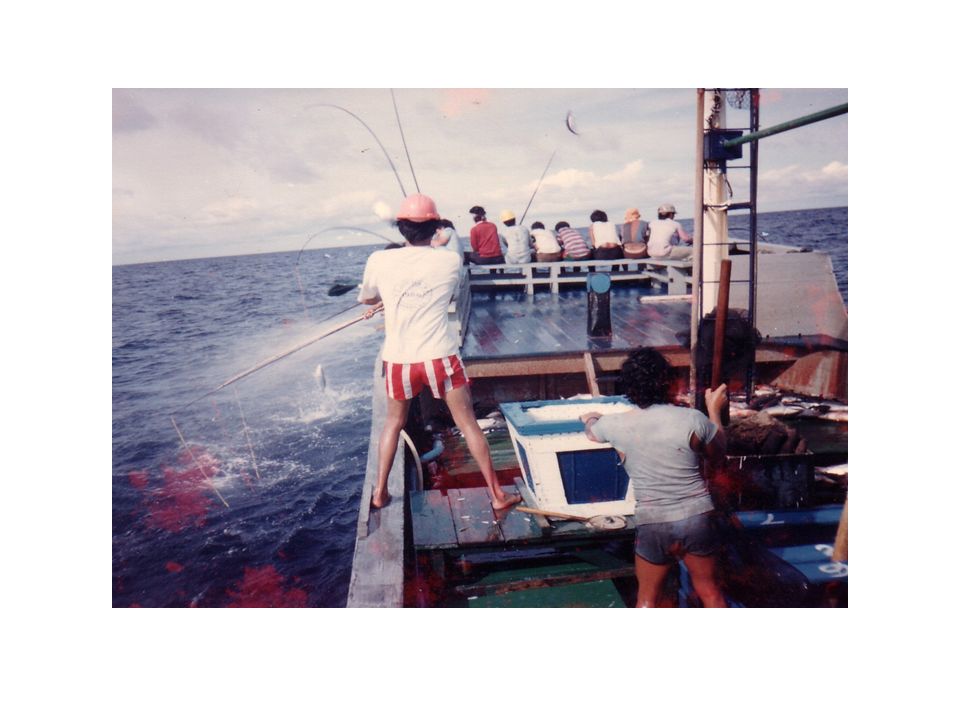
738	99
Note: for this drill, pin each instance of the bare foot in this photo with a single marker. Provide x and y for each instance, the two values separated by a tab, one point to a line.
506	500
380	500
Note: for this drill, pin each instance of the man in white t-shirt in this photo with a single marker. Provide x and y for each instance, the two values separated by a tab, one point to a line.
665	232
414	285
517	238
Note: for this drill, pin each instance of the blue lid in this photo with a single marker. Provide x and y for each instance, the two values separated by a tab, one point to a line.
598	282
516	414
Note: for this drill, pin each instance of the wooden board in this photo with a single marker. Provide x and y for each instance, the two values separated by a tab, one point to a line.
473	516
511	326
432	520
377	573
515	526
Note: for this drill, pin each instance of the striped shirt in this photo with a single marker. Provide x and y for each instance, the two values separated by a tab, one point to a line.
574	245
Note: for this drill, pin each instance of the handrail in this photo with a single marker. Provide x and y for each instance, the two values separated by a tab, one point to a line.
789	125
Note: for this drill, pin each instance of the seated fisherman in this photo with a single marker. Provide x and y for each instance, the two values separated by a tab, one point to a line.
573	243
603	235
517	238
666	234
485	241
545	243
634	230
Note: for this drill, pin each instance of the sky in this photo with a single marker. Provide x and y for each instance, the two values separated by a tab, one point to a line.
207	172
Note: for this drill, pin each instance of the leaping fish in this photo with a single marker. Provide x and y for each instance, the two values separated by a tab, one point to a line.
320	377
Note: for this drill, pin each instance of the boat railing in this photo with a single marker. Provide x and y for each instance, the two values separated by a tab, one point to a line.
458	311
675	275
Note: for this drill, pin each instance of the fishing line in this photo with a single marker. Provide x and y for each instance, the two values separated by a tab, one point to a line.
245	373
296	265
199	466
246	433
382	148
403	139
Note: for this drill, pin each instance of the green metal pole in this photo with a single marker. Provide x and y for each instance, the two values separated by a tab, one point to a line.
789	125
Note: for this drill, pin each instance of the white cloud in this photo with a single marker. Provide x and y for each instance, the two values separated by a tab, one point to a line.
835	169
382	210
227	169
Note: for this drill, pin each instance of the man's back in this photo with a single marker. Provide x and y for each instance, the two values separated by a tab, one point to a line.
485	240
661	234
415	284
518	244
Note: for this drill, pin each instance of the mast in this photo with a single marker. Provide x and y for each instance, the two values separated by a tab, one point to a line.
697	244
715	248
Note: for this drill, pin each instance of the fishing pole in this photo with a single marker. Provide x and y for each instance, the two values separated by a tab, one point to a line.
542	175
275	358
382	148
259	366
572	127
403	139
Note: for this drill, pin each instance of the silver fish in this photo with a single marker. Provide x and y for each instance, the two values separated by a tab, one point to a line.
320	377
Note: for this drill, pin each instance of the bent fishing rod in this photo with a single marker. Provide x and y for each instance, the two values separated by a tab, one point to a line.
259	366
571	126
369	130
285	353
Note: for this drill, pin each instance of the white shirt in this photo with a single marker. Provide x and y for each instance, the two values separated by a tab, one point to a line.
605	233
415	284
453	241
518	244
661	234
545	240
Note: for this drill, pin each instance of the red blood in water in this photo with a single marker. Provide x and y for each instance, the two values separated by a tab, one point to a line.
185	498
263	587
173	567
138	478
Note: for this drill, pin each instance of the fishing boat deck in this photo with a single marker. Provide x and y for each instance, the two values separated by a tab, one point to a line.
459	531
517	324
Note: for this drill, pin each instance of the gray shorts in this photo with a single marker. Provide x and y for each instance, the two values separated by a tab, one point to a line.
662	543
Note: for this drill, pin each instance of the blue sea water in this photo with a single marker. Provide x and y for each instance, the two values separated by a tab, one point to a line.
256	504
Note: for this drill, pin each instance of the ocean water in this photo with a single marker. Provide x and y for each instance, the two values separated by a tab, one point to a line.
248	496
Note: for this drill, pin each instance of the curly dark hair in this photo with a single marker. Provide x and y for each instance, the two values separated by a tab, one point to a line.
645	377
418	233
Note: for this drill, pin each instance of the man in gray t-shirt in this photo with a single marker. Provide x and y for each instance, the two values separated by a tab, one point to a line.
663	468
662	445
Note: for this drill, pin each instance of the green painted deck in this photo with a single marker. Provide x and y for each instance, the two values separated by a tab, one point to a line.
592	593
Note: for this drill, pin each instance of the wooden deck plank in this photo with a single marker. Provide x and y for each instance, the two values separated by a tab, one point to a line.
473	516
377	574
515	526
547	324
432	520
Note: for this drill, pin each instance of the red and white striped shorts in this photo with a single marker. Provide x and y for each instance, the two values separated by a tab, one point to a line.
406	380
